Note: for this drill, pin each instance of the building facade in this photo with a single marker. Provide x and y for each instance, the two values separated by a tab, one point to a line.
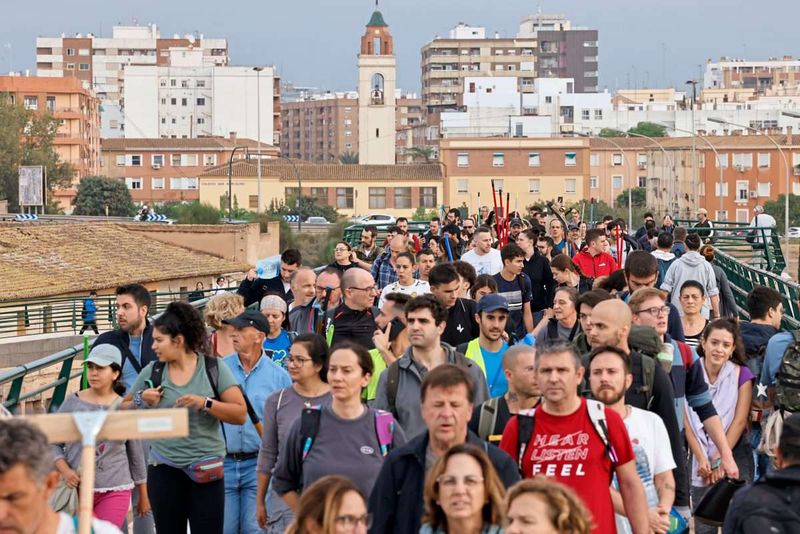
531	170
100	62
158	170
775	76
612	172
322	129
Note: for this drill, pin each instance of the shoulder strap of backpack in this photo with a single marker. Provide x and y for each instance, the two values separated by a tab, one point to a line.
384	429
686	354
488	418
392	384
552	329
597	414
648	379
525	420
157	373
212	372
309	426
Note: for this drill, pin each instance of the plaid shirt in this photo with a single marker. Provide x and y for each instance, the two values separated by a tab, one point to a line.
383	272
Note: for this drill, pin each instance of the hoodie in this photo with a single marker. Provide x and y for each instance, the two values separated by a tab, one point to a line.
595	266
691	266
664	259
755	338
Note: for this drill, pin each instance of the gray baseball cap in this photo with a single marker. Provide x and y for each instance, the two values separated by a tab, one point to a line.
104	355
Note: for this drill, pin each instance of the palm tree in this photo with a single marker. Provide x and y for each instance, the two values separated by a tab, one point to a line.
416	152
348	158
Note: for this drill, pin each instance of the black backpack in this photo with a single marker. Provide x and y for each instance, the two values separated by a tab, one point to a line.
770	506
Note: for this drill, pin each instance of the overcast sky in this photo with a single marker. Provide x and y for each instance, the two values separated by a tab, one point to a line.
315	42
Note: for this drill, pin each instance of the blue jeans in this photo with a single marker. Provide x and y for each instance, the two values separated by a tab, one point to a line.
241	483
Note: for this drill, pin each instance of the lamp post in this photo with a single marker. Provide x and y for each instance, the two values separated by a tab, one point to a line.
299	191
693	83
716	155
230	180
785	169
630	175
258	128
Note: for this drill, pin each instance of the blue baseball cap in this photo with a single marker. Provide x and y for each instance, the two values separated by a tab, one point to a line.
492	302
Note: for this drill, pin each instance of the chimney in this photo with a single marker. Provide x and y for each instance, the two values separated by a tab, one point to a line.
232	136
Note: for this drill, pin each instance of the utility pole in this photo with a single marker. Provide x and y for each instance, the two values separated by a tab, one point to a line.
258	134
693	129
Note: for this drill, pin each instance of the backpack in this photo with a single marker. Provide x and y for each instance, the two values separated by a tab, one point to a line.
645	341
393	379
488	418
309	428
771	504
787	380
596	411
663	267
212	372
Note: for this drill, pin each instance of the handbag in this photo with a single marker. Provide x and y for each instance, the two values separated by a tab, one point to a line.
64	499
714	505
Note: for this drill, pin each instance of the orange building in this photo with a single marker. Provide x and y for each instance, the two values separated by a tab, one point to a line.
612	172
77	140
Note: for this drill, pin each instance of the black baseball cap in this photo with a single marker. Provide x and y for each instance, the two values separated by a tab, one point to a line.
249	318
516	222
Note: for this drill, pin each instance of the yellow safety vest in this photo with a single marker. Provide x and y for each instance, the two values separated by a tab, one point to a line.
475	354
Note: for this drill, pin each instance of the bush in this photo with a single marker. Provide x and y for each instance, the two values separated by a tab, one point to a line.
96	194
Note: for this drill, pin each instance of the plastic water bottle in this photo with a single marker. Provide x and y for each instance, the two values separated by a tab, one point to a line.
665	355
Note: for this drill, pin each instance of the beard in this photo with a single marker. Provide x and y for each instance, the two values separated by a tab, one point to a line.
610	396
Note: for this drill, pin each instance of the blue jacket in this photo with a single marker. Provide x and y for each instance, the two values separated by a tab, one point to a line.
89	310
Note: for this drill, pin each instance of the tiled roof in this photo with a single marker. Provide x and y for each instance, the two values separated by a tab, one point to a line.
734	141
44	259
332	171
199	143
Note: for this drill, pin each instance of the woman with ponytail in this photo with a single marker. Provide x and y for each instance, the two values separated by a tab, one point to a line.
119	464
567	273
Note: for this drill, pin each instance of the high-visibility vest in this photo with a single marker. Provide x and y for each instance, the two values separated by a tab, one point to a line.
475	354
379	366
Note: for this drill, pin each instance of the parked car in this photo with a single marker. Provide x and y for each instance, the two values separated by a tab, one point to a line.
375	218
794	231
317	220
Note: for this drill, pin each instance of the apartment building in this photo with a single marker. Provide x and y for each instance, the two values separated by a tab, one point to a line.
77	140
775	76
158	170
546	46
529	169
100	62
352	189
189	99
612	172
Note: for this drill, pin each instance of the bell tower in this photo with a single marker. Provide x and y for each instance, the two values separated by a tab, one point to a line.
377	68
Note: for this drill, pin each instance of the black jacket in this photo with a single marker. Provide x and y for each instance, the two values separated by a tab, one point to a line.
542	282
255	290
353	325
122	340
396	500
767	506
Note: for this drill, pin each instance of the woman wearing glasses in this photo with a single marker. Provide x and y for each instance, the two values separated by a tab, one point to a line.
308	368
332	505
463	494
342	257
346	438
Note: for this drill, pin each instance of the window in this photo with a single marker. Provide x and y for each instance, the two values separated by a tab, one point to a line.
70	51
763	160
616	160
201	101
320	195
177	184
548	100
163	101
499	185
377	197
133	183
641	160
156	183
593	182
70	66
157	159
616	182
173	101
741	190
121	161
209	160
743	160
570	185
570	159
534	185
201	83
201	120
763	189
83	51
252	201
722	215
594	160
534	159
184	101
741	216
188	160
724	191
184	83
348	145
348	133
722	161
344	198
462	186
136	160
31	102
498	159
586	114
175	160
402	197
642	181
598	114
51	103
463	159
348	122
427	197
83	66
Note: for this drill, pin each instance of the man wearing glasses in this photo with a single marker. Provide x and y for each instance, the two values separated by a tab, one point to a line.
354	319
641	270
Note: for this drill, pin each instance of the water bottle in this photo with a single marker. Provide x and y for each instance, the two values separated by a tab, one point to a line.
664	356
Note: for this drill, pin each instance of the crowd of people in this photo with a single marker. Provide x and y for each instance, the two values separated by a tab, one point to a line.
552	376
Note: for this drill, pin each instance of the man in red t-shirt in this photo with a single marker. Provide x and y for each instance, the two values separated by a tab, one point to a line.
566	445
592	260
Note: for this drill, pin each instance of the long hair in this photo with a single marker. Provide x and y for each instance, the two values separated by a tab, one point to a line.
492	511
729	325
565	511
320	503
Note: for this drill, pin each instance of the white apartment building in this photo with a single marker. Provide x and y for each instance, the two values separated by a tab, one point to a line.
100	62
189	99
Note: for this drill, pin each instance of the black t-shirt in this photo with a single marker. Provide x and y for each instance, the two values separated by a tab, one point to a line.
461	326
517	293
503	416
352	325
543	284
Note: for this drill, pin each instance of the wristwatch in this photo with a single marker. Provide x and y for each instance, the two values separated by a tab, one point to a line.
138	402
207	404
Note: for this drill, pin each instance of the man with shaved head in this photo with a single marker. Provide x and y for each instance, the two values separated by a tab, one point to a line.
302	318
383	270
354	320
490	418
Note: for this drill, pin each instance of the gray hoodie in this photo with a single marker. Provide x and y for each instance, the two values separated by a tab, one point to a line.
406	408
691	266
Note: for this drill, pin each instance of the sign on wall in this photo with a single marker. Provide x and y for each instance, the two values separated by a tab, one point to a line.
31	185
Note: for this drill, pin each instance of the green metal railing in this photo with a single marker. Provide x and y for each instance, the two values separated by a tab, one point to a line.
352	234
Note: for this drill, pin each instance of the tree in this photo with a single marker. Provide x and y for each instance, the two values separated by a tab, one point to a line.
609	132
98	193
777	209
638	197
192	213
348	158
650	129
421	215
309	207
421	152
26	138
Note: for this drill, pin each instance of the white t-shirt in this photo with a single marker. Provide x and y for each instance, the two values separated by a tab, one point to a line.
66	525
489	263
653	455
417	288
766	221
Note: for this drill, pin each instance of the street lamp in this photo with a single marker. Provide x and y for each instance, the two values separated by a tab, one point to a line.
299	191
693	83
258	128
716	155
785	168
230	180
630	175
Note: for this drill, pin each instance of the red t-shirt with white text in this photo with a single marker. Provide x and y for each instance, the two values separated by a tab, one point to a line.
568	449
